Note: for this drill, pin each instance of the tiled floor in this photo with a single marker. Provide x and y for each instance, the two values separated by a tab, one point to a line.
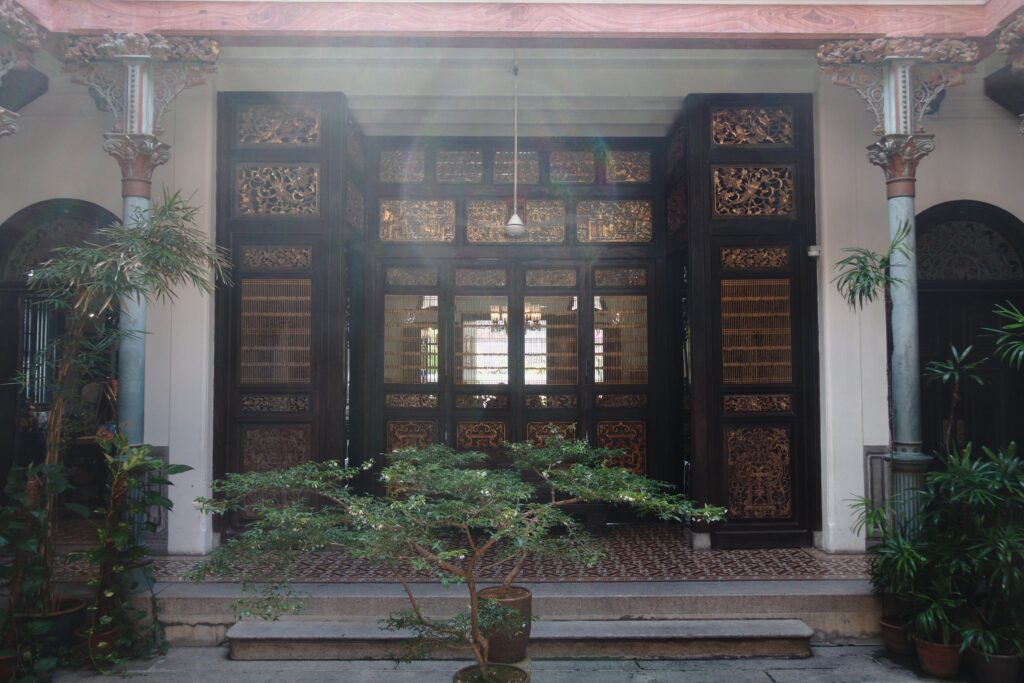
632	553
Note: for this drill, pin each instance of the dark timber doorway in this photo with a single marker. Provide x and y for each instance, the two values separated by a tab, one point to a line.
662	302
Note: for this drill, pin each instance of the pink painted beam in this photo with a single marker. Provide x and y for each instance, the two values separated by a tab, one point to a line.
640	23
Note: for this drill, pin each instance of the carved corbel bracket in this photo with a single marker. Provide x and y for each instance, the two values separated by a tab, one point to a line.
138	156
860	64
1011	41
898	155
115	67
19	38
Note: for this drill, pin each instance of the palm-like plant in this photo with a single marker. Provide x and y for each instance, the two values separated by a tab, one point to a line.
147	257
1010	335
954	372
863	275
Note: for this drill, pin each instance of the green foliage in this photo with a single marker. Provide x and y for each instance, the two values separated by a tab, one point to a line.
1010	335
896	558
446	514
864	274
953	372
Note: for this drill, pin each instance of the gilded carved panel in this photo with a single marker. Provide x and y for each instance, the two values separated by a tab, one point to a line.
627	436
275	403
614	220
268	448
277	190
539	432
628	166
752	126
459	166
481	401
573	167
410	433
755	258
757	403
529	167
481	277
758	472
410	400
402	166
403	276
486	435
417	220
486	218
677	208
280	125
620	278
621	401
536	401
753	191
265	257
551	277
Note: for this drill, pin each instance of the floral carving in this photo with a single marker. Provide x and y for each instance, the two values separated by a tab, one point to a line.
627	436
621	400
276	258
35	247
354	144
406	433
898	155
967	251
402	166
573	167
459	166
614	220
477	277
751	258
278	190
138	156
17	27
677	208
355	209
874	50
278	125
628	166
757	467
411	277
485	221
481	401
757	403
267	449
410	400
550	401
752	126
114	46
538	433
753	191
561	277
529	167
489	435
620	278
417	220
676	147
1011	41
275	403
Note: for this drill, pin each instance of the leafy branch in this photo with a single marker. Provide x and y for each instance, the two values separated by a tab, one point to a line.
864	274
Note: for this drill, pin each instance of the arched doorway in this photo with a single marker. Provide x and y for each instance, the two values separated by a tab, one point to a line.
26	239
970	260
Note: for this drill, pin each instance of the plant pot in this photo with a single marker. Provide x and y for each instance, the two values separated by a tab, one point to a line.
993	668
896	637
99	642
500	673
63	622
140	576
8	668
504	648
937	659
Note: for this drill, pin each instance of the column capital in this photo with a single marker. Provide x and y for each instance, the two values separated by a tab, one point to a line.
117	67
898	155
921	68
138	156
19	38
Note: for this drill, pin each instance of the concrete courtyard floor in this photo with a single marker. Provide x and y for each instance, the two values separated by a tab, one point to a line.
853	662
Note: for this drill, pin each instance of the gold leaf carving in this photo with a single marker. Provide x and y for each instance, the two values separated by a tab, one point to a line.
278	190
753	191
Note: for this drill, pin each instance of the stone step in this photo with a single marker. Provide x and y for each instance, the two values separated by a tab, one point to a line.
200	614
627	639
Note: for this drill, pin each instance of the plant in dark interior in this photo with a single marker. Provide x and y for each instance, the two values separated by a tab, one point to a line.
954	372
114	628
448	516
1010	335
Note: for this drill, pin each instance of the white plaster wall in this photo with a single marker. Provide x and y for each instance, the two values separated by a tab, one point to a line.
57	153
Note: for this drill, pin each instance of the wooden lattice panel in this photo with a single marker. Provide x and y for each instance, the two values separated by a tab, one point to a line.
481	334
620	340
275	331
757	342
411	338
551	340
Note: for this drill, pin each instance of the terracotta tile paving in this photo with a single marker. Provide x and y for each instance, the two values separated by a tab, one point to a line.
632	553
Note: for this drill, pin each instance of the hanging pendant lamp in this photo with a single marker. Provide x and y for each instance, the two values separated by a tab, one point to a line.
515	228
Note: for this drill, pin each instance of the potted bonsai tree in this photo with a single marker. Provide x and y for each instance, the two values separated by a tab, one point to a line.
448	515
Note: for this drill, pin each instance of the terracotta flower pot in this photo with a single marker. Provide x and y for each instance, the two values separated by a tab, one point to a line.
62	623
941	661
504	648
993	668
500	673
896	638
